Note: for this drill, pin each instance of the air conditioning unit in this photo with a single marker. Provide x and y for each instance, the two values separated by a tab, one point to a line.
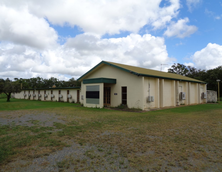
40	95
182	95
150	99
34	95
45	95
60	96
24	95
203	95
69	96
52	96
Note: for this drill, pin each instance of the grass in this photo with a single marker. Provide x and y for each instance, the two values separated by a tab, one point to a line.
178	139
19	104
3	96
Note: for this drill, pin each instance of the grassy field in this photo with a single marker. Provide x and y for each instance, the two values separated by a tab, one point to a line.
3	96
187	138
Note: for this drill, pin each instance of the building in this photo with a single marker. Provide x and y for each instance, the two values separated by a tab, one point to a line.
112	84
65	94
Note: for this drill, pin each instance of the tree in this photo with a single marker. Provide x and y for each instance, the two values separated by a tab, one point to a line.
178	68
209	76
8	87
72	82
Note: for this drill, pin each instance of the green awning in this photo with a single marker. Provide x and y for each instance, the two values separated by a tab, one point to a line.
99	80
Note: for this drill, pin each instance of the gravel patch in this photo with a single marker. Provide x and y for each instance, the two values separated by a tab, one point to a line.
74	158
40	119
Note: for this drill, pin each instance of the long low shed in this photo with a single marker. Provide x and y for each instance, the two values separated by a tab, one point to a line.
113	84
64	94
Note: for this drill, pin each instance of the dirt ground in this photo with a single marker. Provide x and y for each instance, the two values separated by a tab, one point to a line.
56	140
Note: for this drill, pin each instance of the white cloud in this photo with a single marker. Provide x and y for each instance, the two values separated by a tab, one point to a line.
180	29
218	17
189	64
80	54
209	57
101	16
192	4
20	27
212	14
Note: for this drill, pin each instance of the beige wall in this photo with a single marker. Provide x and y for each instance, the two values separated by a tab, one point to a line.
72	92
133	83
165	92
151	87
193	94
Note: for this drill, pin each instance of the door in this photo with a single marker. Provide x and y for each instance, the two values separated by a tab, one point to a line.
44	94
77	96
67	95
38	95
59	95
180	93
51	94
124	95
107	91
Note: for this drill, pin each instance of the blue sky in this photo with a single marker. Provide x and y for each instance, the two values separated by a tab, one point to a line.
64	39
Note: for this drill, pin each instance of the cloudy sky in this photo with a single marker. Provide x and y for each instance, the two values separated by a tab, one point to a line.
66	38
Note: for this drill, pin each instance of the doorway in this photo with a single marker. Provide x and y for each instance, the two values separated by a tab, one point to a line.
67	95
77	96
107	94
124	95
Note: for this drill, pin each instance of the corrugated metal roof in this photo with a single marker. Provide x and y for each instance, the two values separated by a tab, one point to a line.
143	72
153	73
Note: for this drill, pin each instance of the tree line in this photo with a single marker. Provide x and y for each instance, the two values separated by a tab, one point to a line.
39	82
209	76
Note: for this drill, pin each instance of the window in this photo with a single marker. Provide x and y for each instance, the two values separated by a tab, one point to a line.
92	94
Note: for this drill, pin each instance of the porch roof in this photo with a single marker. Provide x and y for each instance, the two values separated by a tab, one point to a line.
99	80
